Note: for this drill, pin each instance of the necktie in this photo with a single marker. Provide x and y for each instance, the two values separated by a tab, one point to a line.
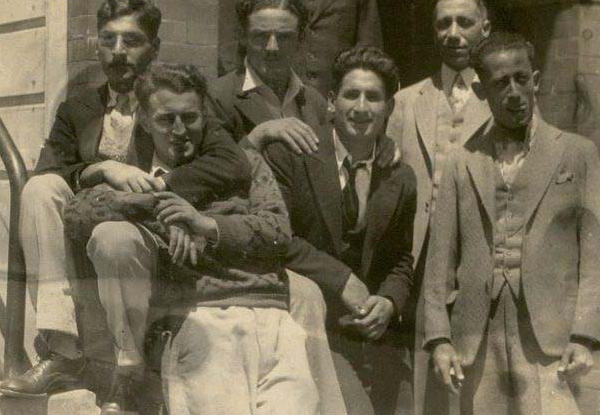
350	197
121	116
458	94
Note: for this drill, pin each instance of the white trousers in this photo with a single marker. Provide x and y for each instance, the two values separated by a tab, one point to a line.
49	258
239	361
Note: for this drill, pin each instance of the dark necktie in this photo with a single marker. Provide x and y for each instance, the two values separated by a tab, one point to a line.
350	202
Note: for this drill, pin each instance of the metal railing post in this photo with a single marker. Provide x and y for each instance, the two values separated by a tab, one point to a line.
15	360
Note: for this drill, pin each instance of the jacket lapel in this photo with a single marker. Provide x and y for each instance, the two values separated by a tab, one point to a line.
323	5
385	193
92	120
476	114
250	104
426	114
480	164
539	166
324	177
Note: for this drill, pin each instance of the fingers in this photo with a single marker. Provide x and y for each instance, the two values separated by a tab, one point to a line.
308	134
134	185
193	253
579	365
564	362
179	247
144	184
174	218
447	377
165	195
291	142
457	369
167	211
172	240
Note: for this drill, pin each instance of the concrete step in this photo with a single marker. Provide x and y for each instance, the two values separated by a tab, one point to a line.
77	402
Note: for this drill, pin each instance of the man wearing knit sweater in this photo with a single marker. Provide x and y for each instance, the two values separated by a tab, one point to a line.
237	338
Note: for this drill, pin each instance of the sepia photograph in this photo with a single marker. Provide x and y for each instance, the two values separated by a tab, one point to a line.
300	207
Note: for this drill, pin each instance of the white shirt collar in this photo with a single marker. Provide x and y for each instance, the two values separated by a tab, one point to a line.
449	75
112	99
253	81
341	153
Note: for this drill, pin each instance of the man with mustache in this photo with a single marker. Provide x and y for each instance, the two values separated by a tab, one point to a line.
95	139
430	118
512	281
352	223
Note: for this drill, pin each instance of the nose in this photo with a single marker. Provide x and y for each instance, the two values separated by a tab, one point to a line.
454	32
272	44
513	91
361	104
119	46
178	126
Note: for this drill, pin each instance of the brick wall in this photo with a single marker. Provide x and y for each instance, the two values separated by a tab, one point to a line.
189	33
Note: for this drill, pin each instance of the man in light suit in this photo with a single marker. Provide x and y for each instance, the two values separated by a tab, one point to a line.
332	26
513	275
430	118
352	224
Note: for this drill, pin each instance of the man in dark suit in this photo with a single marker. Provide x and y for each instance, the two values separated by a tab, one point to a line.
95	139
352	224
512	279
332	26
430	118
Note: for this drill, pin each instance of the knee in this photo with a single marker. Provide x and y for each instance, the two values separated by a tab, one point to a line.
46	188
114	241
305	295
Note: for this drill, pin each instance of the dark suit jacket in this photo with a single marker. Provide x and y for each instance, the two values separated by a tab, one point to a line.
335	25
75	136
311	189
242	111
560	266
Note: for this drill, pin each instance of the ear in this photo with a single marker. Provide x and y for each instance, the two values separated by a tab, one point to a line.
331	102
486	28
479	90
537	76
156	47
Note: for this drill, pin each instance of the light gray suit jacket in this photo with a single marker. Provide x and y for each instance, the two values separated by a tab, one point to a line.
560	263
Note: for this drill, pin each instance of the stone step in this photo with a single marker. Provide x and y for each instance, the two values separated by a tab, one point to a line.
77	402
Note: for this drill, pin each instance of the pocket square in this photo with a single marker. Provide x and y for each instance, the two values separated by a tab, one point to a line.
564	177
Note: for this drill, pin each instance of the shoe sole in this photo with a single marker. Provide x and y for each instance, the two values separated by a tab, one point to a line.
51	391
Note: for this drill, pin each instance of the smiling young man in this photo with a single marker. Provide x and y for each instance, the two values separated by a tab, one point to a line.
95	139
352	225
519	231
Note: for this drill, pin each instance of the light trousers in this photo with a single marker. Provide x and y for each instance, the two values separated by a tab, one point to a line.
49	260
238	361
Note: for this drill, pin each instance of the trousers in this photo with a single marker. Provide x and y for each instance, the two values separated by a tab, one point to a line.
49	261
238	361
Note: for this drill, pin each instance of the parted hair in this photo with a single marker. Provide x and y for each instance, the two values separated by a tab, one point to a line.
366	58
244	8
148	15
495	42
178	78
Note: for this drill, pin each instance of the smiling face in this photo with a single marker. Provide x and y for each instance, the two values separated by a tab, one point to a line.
458	25
125	51
361	106
272	40
176	123
510	84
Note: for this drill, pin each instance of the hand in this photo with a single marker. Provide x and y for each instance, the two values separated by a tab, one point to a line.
173	209
379	311
576	360
297	135
181	246
387	153
446	365
355	295
128	178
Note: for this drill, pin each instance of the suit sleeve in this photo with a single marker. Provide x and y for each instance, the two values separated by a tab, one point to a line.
329	273
440	272
369	25
587	313
397	285
265	229
220	168
60	153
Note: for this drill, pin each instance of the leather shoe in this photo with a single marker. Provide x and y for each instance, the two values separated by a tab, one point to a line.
121	396
53	375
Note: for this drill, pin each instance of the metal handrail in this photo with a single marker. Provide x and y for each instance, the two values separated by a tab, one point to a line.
15	358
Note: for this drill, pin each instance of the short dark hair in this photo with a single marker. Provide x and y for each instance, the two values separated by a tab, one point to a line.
479	3
178	78
495	42
148	15
367	58
244	8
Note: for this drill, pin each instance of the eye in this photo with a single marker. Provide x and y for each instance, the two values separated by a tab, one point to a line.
465	22
107	39
189	118
444	23
373	96
133	40
351	94
165	120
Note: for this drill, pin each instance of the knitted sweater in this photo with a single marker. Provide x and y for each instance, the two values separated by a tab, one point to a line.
243	269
